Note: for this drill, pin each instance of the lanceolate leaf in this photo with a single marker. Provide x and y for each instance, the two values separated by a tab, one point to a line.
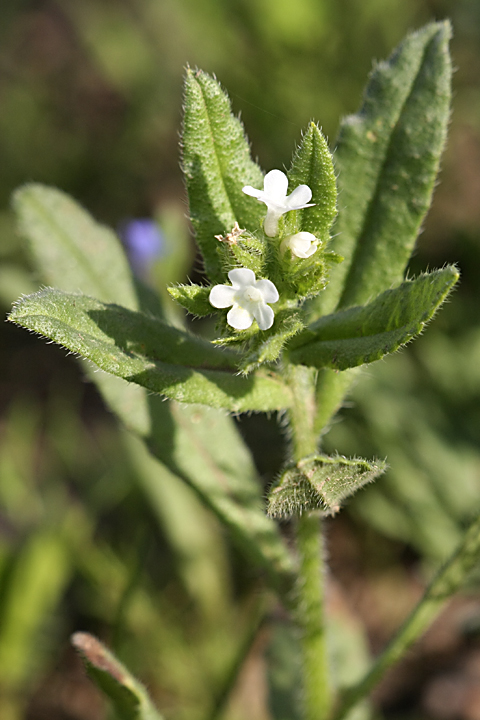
199	444
320	483
216	164
366	333
313	166
129	697
71	250
96	331
387	158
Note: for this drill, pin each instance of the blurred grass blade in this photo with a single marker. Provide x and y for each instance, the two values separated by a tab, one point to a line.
313	166
320	483
450	578
95	331
129	697
366	333
31	587
387	158
200	445
216	164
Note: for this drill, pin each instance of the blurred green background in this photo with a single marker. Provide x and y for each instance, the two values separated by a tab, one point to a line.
90	101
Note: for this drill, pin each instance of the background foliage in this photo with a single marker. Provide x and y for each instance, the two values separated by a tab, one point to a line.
90	97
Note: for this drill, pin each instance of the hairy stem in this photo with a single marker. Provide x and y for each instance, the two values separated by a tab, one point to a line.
310	611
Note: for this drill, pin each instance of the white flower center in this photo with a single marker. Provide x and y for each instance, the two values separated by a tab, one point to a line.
252	294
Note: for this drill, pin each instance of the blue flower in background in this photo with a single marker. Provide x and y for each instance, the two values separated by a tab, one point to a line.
144	243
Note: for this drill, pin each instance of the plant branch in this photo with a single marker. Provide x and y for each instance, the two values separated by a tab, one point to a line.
448	580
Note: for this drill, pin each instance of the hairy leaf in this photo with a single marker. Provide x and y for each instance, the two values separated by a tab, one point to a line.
320	483
199	444
387	158
267	349
313	166
363	334
96	331
216	164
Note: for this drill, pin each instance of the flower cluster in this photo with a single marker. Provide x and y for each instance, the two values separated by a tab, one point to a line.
248	297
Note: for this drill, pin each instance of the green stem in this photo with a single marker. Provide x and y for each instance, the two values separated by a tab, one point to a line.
448	580
310	610
311	618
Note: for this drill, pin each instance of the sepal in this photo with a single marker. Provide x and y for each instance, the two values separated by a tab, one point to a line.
245	250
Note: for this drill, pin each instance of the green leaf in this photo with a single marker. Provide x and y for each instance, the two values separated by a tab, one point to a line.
366	333
129	697
387	158
203	446
146	351
216	164
320	483
70	248
200	445
312	165
194	298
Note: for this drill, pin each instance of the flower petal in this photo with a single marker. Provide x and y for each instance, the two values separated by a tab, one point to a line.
264	316
222	296
299	198
268	290
275	185
241	277
239	318
270	224
249	190
312	249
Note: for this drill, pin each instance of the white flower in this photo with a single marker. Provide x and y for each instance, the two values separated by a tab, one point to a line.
302	244
274	195
249	298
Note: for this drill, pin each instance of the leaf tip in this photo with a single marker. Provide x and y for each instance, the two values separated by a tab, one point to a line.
97	655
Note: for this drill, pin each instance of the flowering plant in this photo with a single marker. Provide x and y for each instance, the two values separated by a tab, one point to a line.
312	295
